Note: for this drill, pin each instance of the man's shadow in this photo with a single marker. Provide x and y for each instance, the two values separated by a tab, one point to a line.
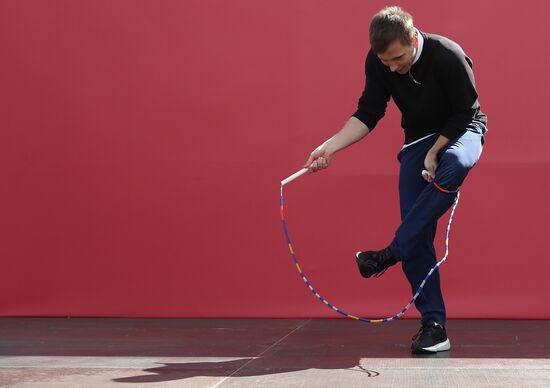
179	371
344	352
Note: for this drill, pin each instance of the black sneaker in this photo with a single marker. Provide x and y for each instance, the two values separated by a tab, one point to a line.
375	262
431	338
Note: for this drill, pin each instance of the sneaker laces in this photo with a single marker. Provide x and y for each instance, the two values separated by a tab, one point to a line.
418	333
384	257
380	273
424	330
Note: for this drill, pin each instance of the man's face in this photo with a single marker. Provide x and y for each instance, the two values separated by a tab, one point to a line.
399	58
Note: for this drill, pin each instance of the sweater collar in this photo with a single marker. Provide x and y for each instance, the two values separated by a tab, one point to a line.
420	46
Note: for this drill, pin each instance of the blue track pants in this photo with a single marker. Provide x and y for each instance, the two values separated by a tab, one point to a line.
422	204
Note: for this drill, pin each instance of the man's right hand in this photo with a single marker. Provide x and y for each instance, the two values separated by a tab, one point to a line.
319	159
353	131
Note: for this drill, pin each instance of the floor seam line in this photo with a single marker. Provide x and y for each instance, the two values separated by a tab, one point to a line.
262	352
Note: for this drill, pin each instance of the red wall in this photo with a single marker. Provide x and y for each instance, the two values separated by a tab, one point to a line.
142	145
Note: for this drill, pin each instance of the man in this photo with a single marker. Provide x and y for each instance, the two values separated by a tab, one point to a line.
430	79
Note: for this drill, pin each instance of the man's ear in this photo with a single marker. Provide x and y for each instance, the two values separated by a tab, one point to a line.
415	40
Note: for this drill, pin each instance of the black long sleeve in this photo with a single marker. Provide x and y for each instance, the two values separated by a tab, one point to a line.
374	100
458	82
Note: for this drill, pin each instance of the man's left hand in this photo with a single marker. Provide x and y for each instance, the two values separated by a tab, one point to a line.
430	163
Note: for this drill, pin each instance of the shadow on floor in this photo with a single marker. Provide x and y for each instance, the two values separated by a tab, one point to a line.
180	371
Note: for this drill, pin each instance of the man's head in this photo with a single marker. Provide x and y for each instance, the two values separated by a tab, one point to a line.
393	38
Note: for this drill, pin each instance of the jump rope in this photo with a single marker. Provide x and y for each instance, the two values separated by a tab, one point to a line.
333	307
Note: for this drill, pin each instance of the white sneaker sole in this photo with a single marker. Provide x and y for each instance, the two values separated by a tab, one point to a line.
440	347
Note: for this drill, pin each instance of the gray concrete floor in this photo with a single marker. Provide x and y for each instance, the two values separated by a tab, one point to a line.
110	352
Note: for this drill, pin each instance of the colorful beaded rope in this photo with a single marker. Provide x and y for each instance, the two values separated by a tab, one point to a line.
330	305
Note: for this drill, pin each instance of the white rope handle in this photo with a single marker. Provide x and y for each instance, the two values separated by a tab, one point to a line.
294	176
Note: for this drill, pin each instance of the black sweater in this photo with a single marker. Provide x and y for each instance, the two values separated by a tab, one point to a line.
444	101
